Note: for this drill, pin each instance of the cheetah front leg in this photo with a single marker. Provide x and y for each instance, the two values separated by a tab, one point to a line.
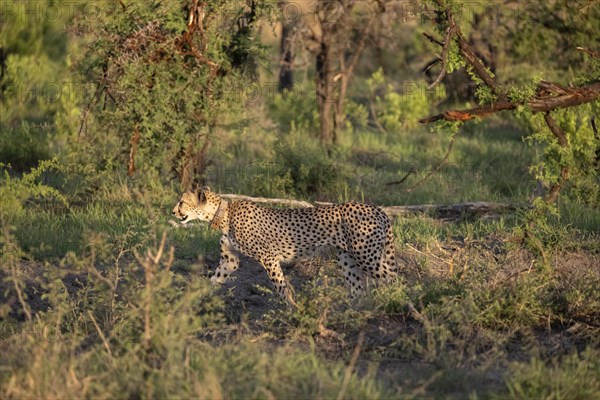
273	268
229	263
352	274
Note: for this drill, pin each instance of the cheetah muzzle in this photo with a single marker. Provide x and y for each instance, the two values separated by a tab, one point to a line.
361	233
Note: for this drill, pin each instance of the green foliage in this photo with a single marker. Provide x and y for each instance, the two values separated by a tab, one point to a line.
16	191
400	111
88	308
142	331
575	376
295	110
579	156
36	94
455	60
304	167
547	34
322	303
126	329
170	87
24	153
357	115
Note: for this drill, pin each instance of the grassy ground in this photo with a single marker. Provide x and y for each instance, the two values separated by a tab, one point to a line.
106	299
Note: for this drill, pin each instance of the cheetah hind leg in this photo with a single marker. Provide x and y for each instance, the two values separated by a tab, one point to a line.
353	275
388	258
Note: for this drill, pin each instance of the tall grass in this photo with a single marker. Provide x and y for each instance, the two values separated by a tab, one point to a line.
101	297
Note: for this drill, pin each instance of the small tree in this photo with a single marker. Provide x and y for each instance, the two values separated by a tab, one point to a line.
560	115
167	74
336	34
34	90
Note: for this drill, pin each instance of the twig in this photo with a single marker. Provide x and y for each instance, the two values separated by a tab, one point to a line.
92	269
20	295
101	334
93	101
437	167
405	177
592	53
428	254
450	30
433	40
413	312
352	365
373	110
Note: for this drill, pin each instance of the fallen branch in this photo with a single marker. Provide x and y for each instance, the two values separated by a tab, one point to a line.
592	53
287	202
457	211
481	209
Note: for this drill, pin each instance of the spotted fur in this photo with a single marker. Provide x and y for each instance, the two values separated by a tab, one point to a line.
361	233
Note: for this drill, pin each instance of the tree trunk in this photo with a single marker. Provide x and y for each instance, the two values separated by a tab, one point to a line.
194	165
286	75
2	63
325	88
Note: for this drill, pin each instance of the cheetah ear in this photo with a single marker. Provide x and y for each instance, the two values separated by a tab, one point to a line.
206	189
199	194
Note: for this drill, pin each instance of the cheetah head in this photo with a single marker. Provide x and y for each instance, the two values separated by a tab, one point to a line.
200	204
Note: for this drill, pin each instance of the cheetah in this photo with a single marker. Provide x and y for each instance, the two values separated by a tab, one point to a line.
361	233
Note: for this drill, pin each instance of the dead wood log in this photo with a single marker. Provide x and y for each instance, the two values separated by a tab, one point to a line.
286	202
467	210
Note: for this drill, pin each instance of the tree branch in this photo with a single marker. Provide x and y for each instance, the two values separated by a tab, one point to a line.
451	30
555	129
549	97
433	39
480	70
564	171
466	50
592	53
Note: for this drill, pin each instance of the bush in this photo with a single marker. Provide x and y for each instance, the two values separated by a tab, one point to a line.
399	110
300	168
305	164
576	376
16	191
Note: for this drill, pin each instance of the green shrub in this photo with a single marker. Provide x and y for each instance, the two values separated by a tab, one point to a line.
296	110
306	166
15	191
575	376
400	110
